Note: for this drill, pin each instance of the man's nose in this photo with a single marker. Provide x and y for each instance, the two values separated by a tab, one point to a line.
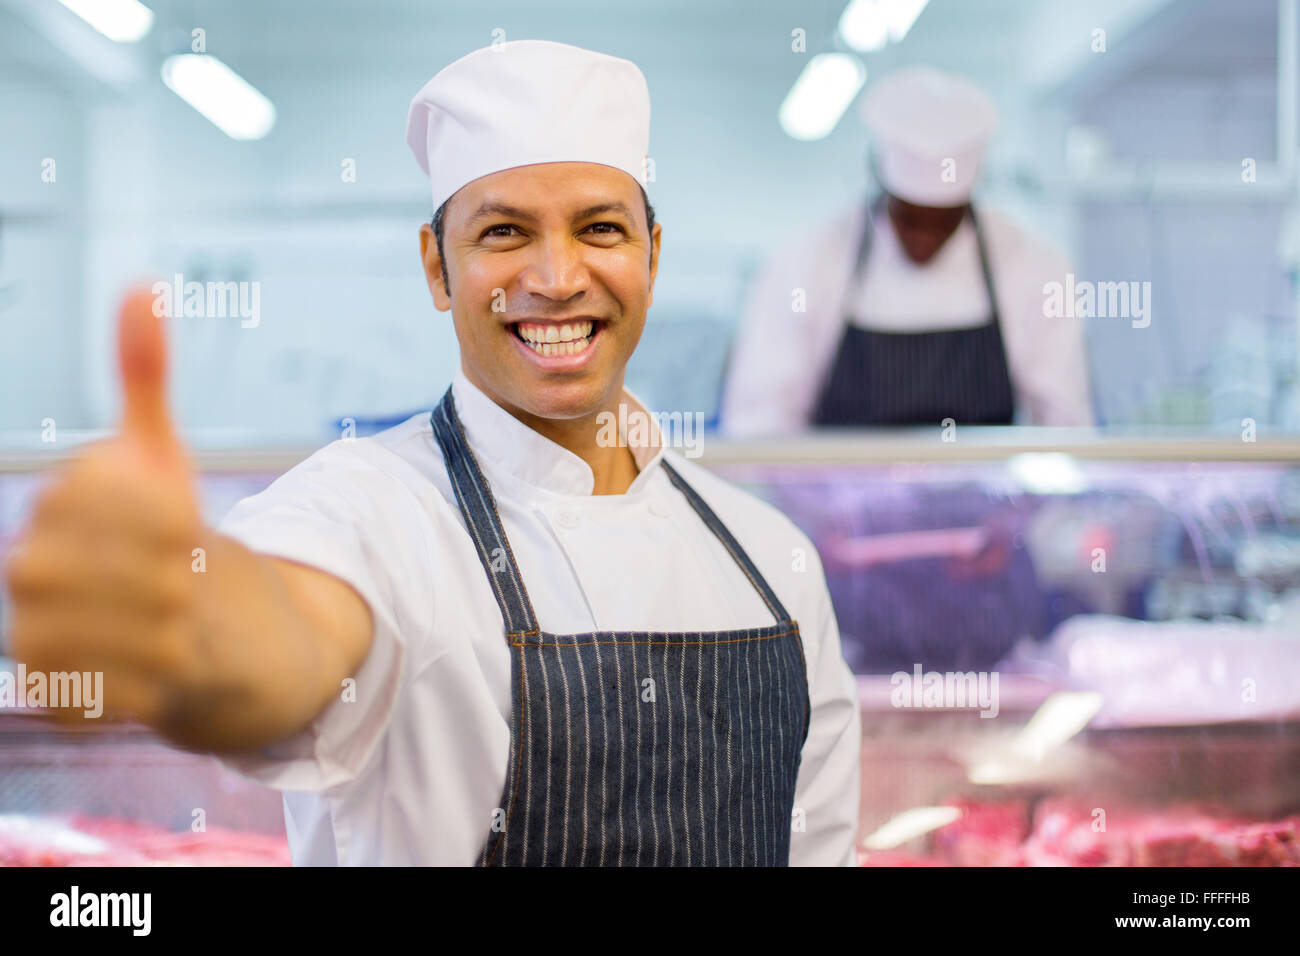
558	269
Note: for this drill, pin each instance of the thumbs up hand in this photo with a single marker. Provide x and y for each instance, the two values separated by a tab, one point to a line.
104	578
142	362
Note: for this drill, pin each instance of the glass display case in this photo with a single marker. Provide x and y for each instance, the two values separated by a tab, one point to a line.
1071	649
100	792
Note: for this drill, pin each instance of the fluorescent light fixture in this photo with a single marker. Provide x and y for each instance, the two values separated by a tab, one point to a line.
220	94
1048	473
821	94
867	25
124	21
901	14
909	825
863	26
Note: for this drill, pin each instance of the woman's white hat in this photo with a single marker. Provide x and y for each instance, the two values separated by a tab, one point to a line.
930	130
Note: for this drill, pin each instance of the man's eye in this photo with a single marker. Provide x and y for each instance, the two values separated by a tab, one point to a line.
493	231
606	225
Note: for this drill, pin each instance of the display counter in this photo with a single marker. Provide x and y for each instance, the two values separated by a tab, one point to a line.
1072	648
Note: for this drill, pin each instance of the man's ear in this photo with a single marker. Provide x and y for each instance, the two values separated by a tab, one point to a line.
654	260
432	263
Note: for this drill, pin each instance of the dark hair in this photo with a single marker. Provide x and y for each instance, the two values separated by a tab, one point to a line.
441	211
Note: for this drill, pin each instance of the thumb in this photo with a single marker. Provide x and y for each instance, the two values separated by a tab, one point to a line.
142	358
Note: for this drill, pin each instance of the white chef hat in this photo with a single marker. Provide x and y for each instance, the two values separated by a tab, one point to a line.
529	101
930	130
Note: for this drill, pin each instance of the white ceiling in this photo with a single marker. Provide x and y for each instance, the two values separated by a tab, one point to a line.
744	43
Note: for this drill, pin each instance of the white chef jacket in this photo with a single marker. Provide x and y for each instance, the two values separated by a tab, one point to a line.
411	771
782	357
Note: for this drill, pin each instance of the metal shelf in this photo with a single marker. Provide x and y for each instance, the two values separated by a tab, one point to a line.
825	447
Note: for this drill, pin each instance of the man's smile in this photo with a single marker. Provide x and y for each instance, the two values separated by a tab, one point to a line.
559	345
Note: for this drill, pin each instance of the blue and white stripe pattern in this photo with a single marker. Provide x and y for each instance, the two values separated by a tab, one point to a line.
639	748
919	378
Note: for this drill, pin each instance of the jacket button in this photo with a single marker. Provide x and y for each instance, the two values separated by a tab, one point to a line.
659	508
566	519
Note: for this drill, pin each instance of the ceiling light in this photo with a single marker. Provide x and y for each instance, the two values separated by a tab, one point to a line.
821	94
867	25
220	94
124	21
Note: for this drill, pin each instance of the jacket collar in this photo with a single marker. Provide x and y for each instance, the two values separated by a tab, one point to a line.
505	446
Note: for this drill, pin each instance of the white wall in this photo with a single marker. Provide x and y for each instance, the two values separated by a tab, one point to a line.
41	257
148	188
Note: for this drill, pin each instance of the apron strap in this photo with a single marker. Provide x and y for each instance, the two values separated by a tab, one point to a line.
984	265
729	542
860	253
484	523
863	249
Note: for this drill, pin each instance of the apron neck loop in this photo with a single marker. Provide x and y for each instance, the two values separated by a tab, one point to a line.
483	520
984	263
738	554
872	208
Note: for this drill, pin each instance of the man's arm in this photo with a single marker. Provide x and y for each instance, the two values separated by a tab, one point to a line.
275	641
763	362
219	648
1048	354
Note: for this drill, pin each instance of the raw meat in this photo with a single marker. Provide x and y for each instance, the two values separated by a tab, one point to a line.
99	841
1065	832
895	858
986	834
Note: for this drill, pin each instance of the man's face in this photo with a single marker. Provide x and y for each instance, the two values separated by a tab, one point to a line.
922	230
552	269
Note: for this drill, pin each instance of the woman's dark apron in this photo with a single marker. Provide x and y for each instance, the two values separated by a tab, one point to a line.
934	612
638	747
918	378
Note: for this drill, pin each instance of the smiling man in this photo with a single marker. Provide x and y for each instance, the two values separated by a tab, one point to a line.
485	635
547	341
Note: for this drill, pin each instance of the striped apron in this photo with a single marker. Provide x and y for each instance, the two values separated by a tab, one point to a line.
638	747
918	378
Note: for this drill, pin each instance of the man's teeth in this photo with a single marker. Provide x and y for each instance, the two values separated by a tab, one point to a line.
568	339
